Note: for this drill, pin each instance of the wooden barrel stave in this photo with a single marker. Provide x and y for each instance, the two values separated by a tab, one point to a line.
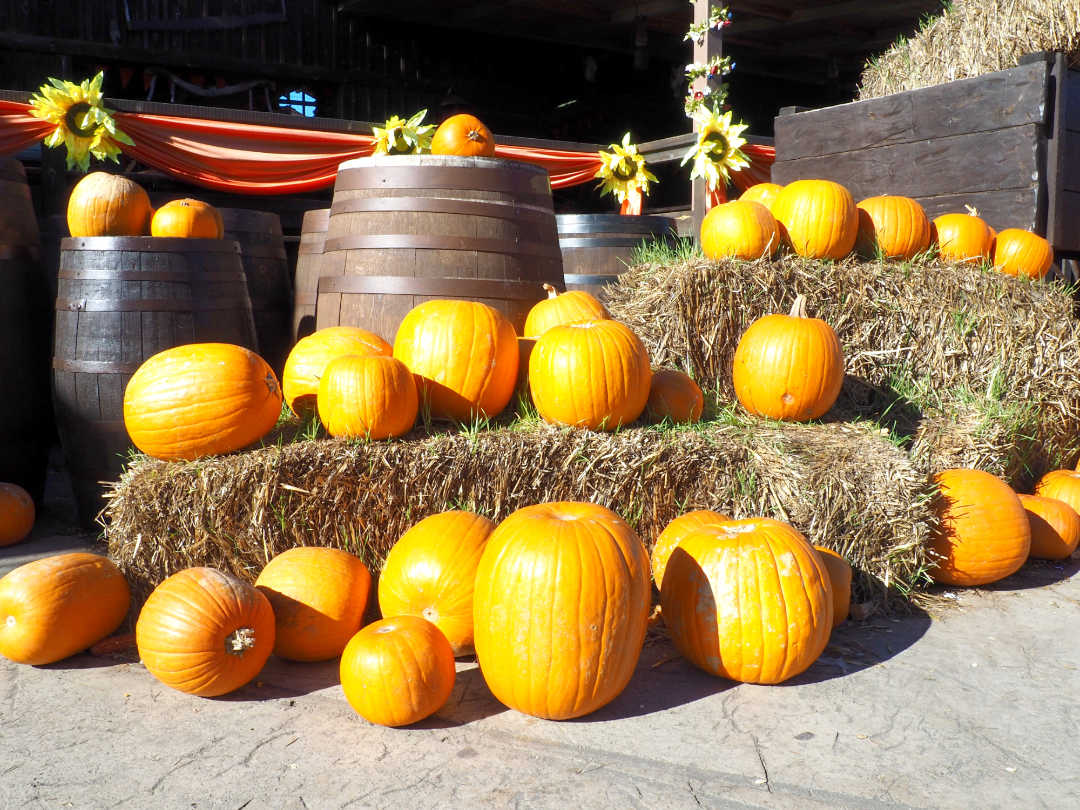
596	248
308	269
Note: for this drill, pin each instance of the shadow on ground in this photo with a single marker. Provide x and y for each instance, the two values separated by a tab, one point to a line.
1036	574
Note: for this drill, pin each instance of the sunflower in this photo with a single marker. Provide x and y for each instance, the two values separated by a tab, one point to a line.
622	171
400	137
83	124
716	153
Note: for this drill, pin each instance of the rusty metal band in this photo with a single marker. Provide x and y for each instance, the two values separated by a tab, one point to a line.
263	252
95	366
614	223
589	280
427	242
30	252
179	276
150	244
439	287
150	305
312	248
627	242
473	177
510	209
315	220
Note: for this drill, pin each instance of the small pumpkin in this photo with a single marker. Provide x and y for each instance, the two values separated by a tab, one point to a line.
369	396
1055	527
559	309
187	219
896	226
397	671
431	572
840	578
1022	253
103	204
740	229
817	218
788	367
205	632
318	595
16	514
57	606
764	193
964	238
464	135
1064	485
675	396
673	534
309	357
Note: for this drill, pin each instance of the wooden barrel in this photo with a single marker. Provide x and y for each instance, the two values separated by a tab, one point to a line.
262	254
54	229
306	280
120	300
405	229
596	248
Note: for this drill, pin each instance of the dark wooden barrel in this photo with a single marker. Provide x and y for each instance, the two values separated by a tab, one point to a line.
407	229
54	229
121	300
306	279
262	254
596	248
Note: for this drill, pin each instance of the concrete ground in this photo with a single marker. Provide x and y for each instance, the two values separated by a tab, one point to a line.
976	706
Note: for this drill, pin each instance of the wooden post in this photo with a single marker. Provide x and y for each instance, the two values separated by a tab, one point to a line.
711	46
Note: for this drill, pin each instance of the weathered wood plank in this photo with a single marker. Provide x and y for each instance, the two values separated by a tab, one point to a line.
1069	209
1001	208
1072	100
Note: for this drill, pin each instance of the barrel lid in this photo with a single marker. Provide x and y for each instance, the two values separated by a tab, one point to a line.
589	223
443	161
150	244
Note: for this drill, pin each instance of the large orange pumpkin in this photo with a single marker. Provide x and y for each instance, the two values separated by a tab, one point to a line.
764	193
594	374
318	595
840	579
465	135
984	532
674	533
896	226
16	514
561	606
187	219
431	572
559	309
397	671
205	632
57	606
1055	527
309	357
1064	485
674	395
788	366
103	204
748	600
1022	253
740	229
964	238
464	355
817	218
367	396
200	399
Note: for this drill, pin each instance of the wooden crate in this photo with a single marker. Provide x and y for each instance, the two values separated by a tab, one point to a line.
1007	143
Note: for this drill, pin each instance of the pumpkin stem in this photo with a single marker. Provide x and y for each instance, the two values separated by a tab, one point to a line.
474	135
551	291
240	641
798	309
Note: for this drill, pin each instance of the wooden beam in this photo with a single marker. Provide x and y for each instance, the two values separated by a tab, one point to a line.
711	46
651	8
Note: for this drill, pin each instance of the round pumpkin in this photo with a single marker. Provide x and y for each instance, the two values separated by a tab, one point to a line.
788	367
594	375
764	193
57	606
1055	527
561	607
963	238
200	399
748	600
739	229
675	396
673	534
559	309
103	204
1064	485
984	533
817	218
840	578
897	227
1022	253
465	135
464	355
397	671
205	632
318	595
431	573
16	514
187	219
308	359
369	396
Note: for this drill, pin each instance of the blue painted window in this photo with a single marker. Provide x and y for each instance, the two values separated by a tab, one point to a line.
300	101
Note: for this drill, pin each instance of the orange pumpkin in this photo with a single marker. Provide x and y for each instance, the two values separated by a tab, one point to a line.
674	533
740	229
1064	485
674	395
594	375
309	357
431	572
205	632
896	226
318	595
560	609
764	193
464	135
817	218
16	514
964	238
187	219
372	396
200	399
464	355
57	606
748	600
559	309
1022	253
984	532
397	671
788	366
103	204
1055	527
840	578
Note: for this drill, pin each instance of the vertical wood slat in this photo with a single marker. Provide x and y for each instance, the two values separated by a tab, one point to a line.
711	46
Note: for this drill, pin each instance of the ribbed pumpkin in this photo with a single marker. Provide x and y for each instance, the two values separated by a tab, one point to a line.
205	632
740	229
397	671
16	514
594	375
308	358
764	193
674	395
57	606
748	600
464	355
200	399
674	533
964	238
431	572
463	134
369	396
560	309
817	218
187	219
561	606
984	534
1064	485
1055	527
896	226
788	366
840	579
318	595
103	204
1022	253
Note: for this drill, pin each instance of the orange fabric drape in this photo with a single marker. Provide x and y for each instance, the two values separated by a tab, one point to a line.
759	171
19	129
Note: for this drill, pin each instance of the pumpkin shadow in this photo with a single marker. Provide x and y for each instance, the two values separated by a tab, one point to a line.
84	660
470	701
861	399
281	678
1035	574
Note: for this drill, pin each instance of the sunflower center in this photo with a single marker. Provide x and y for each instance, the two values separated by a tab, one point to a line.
74	115
624	169
719	139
